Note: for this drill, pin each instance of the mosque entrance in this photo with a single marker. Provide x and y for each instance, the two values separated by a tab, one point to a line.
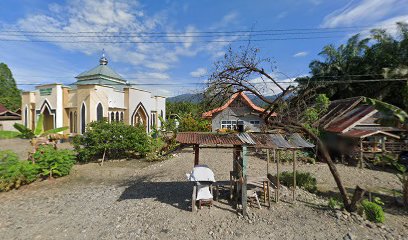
140	117
48	119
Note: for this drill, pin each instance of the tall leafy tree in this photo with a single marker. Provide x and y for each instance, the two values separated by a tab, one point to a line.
9	93
381	56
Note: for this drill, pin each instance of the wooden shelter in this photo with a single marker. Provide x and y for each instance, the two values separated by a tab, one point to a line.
240	142
353	130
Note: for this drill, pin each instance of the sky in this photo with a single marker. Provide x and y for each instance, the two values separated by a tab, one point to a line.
176	42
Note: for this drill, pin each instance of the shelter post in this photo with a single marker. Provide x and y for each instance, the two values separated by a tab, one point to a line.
196	154
294	175
361	154
268	157
244	198
277	176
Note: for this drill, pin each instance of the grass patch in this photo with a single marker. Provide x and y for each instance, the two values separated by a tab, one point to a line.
8	134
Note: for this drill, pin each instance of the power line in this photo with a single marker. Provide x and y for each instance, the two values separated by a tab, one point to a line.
263	82
203	32
147	78
174	42
185	35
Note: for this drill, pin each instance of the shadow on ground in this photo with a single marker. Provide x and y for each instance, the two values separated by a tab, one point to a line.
176	194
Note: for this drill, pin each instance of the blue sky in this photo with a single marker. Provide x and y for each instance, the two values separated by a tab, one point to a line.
45	58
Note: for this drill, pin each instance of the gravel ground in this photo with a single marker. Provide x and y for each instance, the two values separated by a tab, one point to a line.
139	200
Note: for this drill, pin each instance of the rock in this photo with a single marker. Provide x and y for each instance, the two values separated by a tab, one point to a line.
349	236
369	225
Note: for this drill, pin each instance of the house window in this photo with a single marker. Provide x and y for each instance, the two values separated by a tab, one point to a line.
255	123
117	116
231	124
99	112
121	116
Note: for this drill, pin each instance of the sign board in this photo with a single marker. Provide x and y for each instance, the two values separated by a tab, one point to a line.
45	91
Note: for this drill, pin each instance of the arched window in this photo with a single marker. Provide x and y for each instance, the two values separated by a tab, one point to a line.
83	120
26	116
99	112
162	117
71	122
117	116
112	117
75	122
121	116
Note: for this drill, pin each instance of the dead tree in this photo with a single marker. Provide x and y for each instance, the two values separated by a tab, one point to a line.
243	71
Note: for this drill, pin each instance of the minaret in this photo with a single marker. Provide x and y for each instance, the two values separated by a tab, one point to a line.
103	60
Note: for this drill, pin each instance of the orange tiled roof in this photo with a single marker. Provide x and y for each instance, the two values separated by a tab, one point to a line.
240	94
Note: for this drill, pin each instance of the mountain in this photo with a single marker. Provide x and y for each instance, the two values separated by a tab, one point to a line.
198	97
188	97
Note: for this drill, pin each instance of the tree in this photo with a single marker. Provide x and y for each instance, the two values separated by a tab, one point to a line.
381	56
236	73
9	93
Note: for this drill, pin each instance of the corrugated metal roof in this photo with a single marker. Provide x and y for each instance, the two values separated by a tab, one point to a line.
351	118
246	138
366	133
208	138
297	140
280	141
258	140
337	108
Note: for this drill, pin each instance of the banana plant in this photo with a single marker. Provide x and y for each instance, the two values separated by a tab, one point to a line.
393	114
25	132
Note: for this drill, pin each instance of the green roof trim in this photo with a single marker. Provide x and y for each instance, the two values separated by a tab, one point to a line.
100	71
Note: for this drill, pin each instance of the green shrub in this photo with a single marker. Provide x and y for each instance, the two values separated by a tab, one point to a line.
116	140
305	156
52	162
373	211
335	203
8	134
304	180
14	173
188	123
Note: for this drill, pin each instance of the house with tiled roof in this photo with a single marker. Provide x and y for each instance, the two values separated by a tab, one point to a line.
8	118
238	110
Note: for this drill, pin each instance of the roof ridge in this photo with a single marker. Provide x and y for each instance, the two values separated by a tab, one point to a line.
209	114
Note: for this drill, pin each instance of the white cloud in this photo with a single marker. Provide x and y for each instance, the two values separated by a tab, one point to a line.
363	12
99	23
316	2
268	88
96	25
300	54
282	15
199	72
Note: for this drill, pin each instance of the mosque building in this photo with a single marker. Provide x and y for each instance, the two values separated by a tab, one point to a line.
99	93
